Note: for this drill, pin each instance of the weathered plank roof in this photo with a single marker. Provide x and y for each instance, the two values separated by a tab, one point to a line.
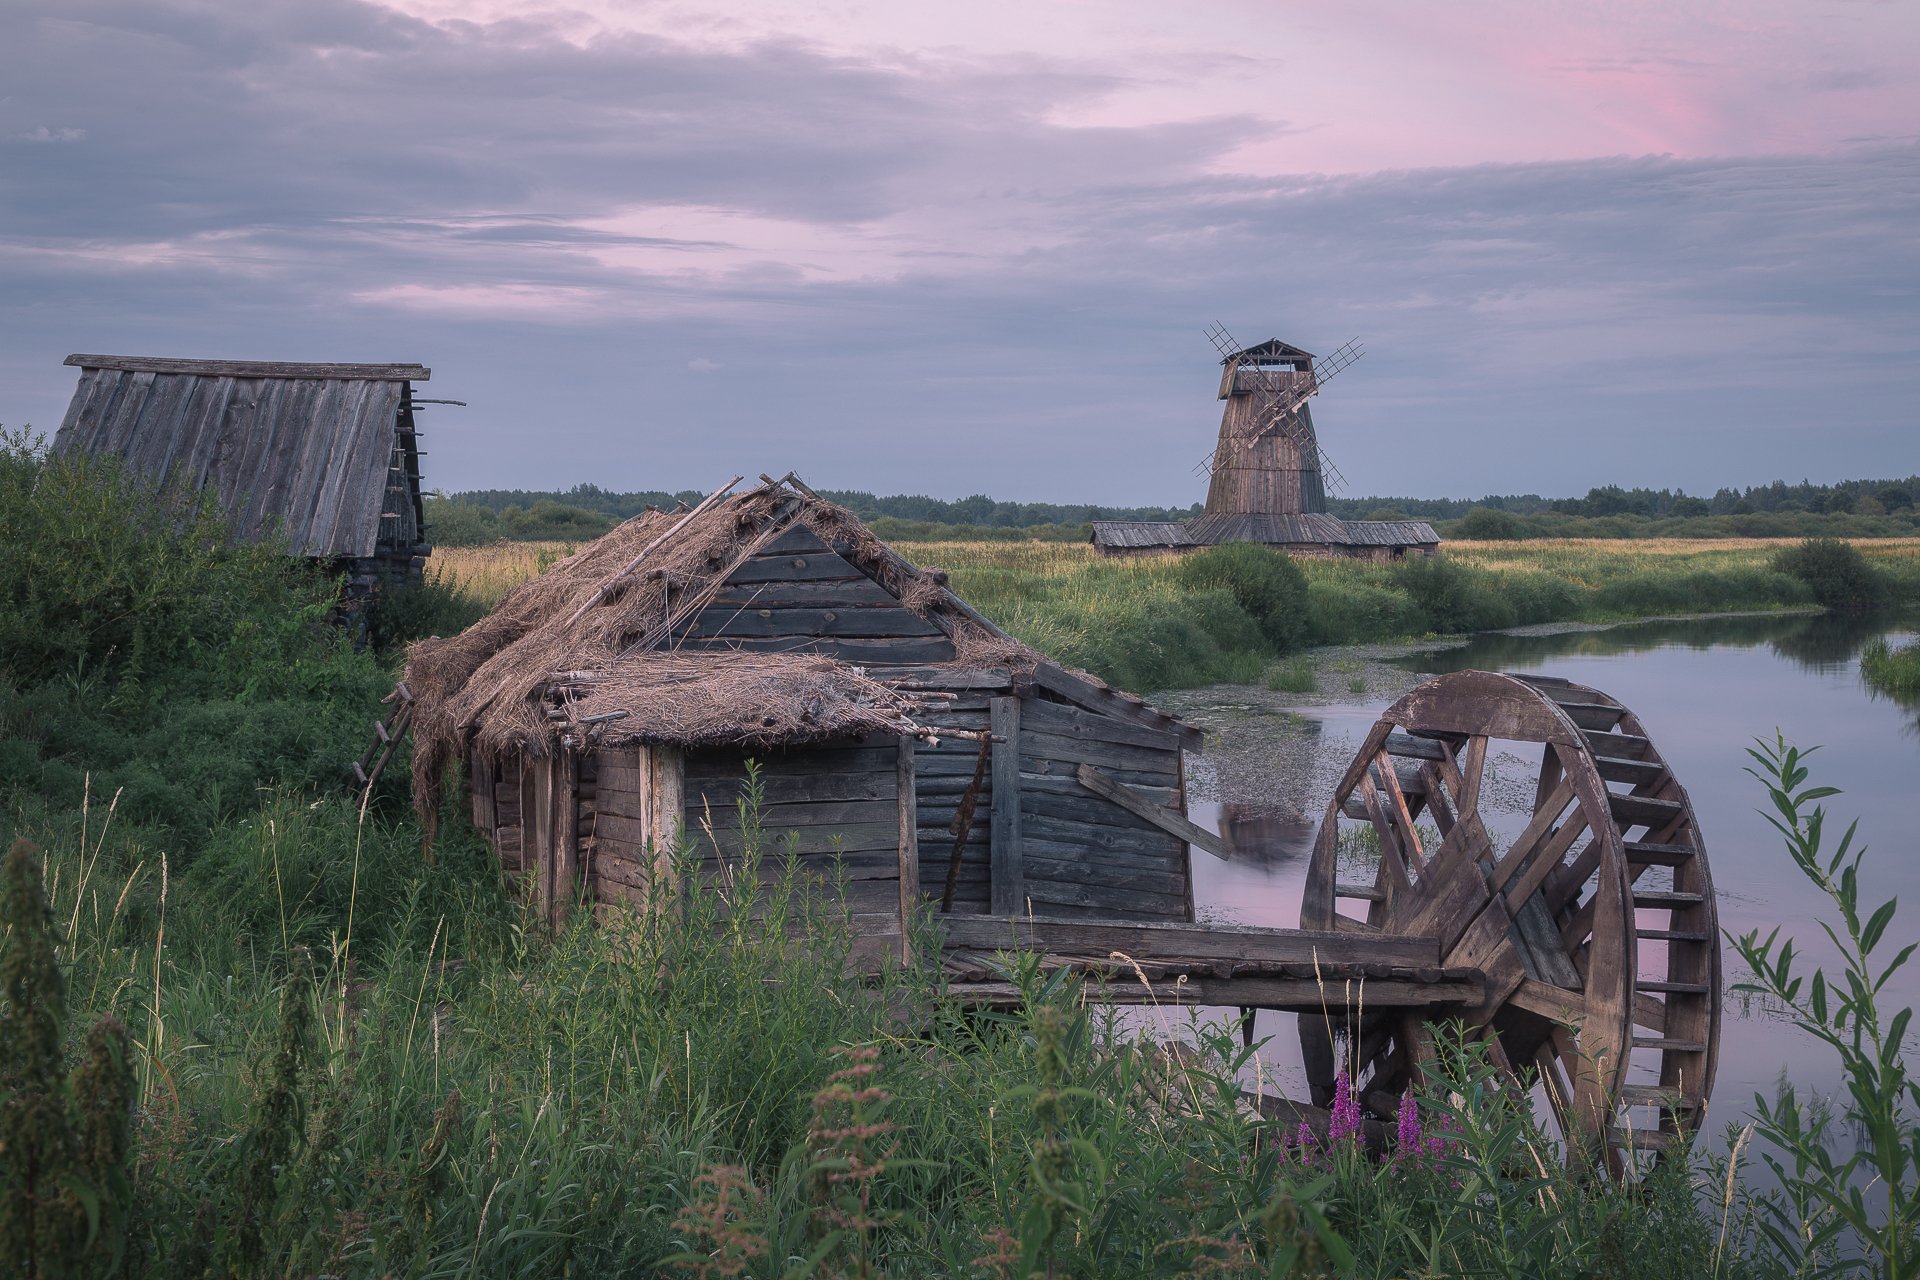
298	449
1294	530
1390	533
1141	534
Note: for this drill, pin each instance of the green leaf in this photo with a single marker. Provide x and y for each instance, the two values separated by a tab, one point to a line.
1877	925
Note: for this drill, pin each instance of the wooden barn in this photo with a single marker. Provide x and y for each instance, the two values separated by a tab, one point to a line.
613	703
325	456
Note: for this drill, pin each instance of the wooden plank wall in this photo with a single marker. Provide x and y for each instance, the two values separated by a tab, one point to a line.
942	775
629	822
798	595
819	799
495	794
1083	855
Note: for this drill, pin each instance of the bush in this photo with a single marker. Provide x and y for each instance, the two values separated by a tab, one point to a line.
1265	582
106	573
1484	524
1838	575
436	607
148	656
461	524
1453	598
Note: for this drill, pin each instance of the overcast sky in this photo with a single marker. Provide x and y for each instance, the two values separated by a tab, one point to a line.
939	248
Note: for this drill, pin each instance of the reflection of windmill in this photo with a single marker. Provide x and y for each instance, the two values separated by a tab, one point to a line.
1267	460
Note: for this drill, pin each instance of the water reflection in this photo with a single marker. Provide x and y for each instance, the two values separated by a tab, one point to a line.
1705	688
1266	837
1823	643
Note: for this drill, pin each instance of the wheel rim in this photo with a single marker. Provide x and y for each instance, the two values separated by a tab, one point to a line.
1590	909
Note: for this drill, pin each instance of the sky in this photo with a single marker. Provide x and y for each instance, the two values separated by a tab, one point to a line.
953	249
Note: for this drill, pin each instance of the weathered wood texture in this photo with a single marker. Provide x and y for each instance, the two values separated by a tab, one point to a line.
305	455
637	806
836	807
1082	853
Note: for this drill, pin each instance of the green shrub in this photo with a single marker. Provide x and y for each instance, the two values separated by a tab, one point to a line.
106	573
1486	524
1453	598
1356	612
1265	582
461	524
1837	574
435	607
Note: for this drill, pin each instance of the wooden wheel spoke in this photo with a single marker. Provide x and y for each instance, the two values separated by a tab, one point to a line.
1553	923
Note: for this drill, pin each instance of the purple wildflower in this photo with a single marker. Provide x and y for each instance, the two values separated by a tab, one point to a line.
1408	1145
1345	1124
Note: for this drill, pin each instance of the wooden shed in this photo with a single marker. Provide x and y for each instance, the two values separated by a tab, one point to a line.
325	456
607	711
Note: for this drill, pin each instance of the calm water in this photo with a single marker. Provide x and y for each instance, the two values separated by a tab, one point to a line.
1704	689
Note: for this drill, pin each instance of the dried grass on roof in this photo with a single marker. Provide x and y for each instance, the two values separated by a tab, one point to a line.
493	684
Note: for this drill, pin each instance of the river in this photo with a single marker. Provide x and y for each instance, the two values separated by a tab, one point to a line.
1705	688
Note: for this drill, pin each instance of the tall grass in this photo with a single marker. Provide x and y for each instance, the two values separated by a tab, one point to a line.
1223	615
452	1089
1890	669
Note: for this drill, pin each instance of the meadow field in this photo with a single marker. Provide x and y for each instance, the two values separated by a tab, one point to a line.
1162	622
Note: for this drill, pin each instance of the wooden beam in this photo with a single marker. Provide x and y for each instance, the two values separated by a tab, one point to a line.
1288	995
254	368
606	588
909	801
1153	939
1083	693
1008	881
564	769
1158	814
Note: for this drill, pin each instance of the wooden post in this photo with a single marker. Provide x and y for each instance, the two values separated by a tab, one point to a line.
536	829
1008	874
480	791
665	773
564	771
906	792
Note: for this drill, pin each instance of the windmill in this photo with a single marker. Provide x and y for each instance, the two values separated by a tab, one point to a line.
1268	460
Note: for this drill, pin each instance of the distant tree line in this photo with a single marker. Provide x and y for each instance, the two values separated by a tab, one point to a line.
1849	508
1847	497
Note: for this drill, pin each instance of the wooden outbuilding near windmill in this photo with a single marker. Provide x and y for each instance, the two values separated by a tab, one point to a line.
325	456
1268	477
608	709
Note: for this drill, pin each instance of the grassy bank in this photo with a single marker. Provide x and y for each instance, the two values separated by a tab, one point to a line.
1148	623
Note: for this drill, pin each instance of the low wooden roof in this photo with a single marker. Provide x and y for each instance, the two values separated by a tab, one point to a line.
298	449
1276	530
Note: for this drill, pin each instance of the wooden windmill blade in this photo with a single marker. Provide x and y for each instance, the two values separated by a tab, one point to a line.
1282	416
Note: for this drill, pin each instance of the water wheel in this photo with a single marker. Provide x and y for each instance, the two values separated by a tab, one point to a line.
1530	826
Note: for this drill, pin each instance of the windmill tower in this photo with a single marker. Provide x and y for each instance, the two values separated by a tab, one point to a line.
1267	461
1267	478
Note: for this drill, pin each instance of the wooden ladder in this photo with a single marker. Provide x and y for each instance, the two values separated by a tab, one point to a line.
387	734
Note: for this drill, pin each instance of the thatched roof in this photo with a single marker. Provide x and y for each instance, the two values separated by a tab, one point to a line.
585	652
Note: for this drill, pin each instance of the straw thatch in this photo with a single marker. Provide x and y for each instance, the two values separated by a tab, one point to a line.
577	653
